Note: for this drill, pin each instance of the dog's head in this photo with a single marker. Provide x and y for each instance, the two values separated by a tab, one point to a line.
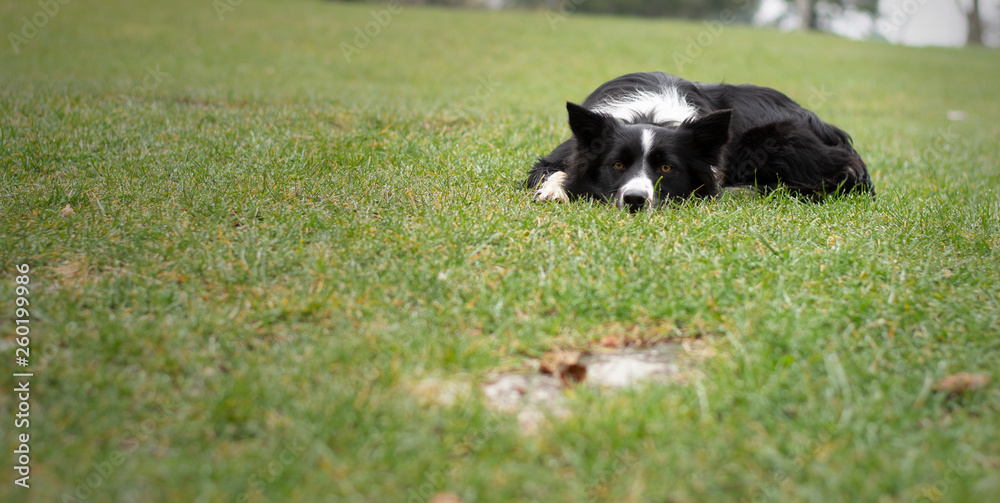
639	165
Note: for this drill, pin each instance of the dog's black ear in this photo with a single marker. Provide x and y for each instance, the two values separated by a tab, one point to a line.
710	133
589	127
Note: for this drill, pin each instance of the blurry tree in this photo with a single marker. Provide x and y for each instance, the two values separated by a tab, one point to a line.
738	10
810	18
975	23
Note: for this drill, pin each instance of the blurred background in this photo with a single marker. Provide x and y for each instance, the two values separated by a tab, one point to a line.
951	23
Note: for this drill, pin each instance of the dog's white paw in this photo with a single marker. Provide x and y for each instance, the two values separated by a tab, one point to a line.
552	188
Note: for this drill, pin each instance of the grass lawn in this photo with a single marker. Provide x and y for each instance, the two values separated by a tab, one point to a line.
246	251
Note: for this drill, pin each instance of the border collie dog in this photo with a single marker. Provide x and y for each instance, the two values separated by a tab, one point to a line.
646	138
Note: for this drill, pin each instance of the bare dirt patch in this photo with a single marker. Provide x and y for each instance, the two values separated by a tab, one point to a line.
609	363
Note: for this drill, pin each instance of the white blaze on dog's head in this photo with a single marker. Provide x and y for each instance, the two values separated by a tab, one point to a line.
639	191
647	142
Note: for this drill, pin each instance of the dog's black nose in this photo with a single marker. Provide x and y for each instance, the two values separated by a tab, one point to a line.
634	203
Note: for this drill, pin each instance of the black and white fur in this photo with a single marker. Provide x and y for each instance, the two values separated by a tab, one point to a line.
646	138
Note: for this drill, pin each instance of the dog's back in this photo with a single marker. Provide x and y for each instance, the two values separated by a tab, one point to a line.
776	141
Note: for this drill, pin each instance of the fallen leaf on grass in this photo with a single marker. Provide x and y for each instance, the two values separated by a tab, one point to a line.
67	211
445	497
610	341
555	360
961	383
564	364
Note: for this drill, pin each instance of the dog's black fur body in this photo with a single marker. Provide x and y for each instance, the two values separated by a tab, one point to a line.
646	138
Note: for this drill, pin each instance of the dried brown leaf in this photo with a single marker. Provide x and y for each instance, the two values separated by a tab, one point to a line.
610	341
554	361
445	497
564	364
960	383
573	374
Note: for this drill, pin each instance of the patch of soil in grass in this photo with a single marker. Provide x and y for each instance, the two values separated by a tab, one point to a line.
535	395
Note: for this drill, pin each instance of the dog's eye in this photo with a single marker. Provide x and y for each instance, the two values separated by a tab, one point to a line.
618	165
666	168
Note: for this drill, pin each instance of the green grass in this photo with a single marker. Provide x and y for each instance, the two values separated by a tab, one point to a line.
271	246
